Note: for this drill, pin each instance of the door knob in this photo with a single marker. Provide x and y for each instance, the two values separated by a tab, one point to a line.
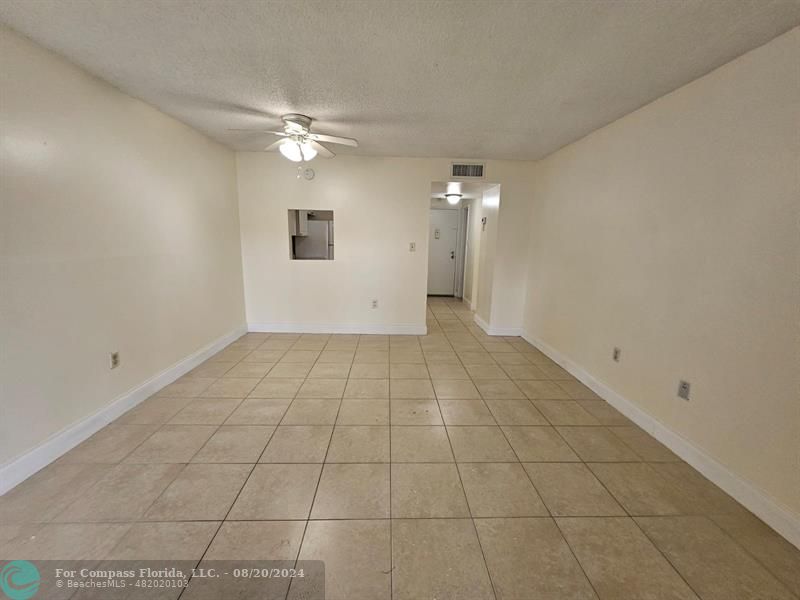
452	254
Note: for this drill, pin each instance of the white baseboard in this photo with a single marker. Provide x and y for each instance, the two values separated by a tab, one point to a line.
19	469
507	331
763	506
366	329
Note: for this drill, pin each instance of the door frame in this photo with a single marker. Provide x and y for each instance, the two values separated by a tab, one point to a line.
461	246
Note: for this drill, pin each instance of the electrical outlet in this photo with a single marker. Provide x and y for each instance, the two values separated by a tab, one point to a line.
412	246
114	360
374	304
683	389
616	354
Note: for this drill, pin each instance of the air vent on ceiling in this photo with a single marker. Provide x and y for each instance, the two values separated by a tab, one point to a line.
467	170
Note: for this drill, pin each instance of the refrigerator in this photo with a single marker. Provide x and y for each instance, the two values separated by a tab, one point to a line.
317	244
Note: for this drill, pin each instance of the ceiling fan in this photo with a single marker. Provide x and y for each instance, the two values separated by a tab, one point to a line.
297	143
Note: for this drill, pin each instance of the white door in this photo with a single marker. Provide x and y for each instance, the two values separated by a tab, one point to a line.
442	240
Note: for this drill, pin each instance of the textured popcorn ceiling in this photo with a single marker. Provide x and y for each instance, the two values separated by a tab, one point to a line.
482	79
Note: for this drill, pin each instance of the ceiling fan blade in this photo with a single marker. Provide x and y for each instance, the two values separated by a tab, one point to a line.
321	150
280	133
273	146
334	139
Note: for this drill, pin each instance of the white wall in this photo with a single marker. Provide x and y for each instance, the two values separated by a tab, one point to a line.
487	255
672	233
119	232
380	204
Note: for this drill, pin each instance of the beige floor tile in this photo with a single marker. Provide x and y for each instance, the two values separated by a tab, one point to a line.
427	491
249	370
352	491
604	412
367	388
770	549
109	445
290	370
357	557
153	411
528	559
538	444
564	412
555	372
336	357
542	390
597	444
205	411
238	387
172	444
498	389
276	388
473	357
438	558
123	494
524	372
571	490
455	389
257	540
465	412
264	355
409	371
231	354
406	357
211	370
715	566
330	371
645	445
512	359
500	490
301	356
447	371
370	371
639	488
370	356
415	412
360	411
186	540
200	493
480	444
298	444
487	372
411	388
442	357
578	391
66	541
187	387
277	492
359	444
312	411
235	444
420	444
43	495
322	388
698	494
515	412
259	411
620	561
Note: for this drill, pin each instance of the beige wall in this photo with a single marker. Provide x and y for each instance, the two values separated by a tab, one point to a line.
380	204
119	232
672	233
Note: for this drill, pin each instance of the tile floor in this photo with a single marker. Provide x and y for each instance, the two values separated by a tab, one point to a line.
453	465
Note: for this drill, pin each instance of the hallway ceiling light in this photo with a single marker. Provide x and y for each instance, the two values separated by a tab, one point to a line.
453	198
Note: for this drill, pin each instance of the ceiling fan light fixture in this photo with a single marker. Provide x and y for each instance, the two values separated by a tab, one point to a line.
307	150
291	150
453	198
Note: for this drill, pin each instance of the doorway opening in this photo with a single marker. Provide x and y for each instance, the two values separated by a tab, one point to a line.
458	238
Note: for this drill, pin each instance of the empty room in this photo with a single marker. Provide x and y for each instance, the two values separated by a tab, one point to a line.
400	299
